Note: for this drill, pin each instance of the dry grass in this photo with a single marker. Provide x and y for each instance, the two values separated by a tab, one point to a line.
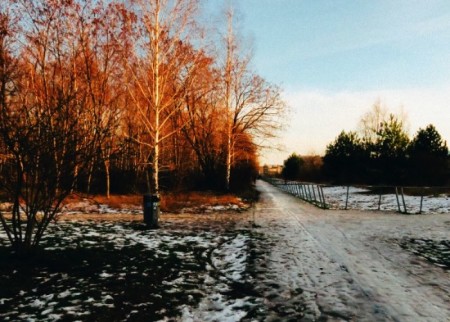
170	202
174	202
114	201
119	201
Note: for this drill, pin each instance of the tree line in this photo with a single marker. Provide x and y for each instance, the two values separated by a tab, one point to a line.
111	96
381	152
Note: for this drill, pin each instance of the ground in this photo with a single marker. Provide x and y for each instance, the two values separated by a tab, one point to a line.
358	265
283	260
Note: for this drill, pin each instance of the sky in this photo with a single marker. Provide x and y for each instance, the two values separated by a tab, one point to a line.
334	59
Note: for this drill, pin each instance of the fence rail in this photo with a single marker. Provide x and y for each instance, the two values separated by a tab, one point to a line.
405	200
309	192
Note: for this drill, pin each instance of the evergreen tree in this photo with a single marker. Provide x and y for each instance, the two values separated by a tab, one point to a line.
292	167
344	158
428	155
389	152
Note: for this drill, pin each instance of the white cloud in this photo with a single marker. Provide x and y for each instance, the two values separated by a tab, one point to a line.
319	116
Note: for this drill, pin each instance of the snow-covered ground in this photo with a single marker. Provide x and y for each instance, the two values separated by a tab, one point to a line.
99	270
362	199
357	265
284	260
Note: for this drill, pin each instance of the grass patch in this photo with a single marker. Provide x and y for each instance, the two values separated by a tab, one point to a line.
114	201
100	283
121	272
435	251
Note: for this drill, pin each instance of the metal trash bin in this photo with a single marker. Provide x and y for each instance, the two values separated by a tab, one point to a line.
151	210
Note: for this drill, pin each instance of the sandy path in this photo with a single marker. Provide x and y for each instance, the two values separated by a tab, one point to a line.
337	265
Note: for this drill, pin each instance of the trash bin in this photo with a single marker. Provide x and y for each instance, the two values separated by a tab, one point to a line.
151	210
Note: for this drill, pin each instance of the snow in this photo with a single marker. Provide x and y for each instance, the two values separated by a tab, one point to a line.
55	317
349	264
229	260
37	303
105	275
64	294
283	260
361	199
215	308
229	264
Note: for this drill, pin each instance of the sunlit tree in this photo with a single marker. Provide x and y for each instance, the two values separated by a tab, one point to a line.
160	67
45	124
252	105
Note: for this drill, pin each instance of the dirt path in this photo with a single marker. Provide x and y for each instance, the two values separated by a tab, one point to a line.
336	265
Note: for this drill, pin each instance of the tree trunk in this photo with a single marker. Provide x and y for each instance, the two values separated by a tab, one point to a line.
228	161
228	99
108	179
89	177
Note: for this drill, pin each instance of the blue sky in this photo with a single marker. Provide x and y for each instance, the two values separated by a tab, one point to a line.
338	45
335	58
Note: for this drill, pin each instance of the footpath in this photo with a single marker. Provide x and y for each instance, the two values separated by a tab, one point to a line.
324	265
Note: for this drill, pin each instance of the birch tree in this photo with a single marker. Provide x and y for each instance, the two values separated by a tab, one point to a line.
158	71
252	105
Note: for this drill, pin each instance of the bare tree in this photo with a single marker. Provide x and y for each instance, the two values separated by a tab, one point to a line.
371	122
252	105
205	121
160	67
44	125
102	45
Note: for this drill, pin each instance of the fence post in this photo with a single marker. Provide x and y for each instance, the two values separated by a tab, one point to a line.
320	196
398	201
314	193
404	203
379	201
323	196
421	202
309	193
346	199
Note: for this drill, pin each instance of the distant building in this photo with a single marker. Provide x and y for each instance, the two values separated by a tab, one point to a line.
271	170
